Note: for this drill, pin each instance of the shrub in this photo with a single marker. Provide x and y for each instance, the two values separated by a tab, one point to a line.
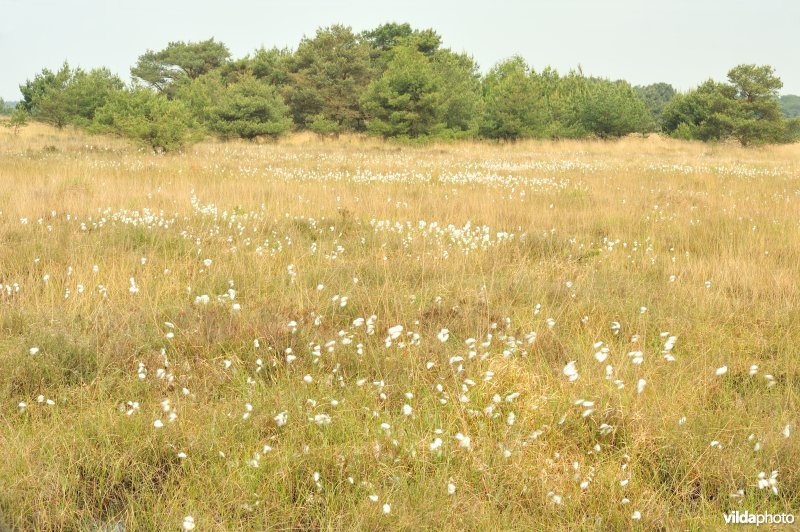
148	118
68	96
250	109
407	100
613	109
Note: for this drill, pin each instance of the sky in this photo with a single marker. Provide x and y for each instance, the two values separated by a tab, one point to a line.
682	42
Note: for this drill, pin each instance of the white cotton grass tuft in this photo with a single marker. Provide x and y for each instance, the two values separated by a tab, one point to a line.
602	352
322	420
571	371
395	332
770	482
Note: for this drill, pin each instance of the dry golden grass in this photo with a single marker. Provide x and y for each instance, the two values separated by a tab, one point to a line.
659	237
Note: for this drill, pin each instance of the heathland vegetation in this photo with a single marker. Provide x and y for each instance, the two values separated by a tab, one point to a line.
364	335
334	330
393	81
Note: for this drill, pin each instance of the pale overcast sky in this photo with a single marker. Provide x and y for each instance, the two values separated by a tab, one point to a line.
682	42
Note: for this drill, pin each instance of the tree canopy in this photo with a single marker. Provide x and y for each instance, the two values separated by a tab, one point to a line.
68	96
656	96
248	109
394	81
328	74
147	117
179	61
745	108
407	100
511	102
790	105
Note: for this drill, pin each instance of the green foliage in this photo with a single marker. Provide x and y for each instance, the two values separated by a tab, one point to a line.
7	108
790	105
511	106
178	62
41	95
147	117
613	109
520	103
387	36
398	81
248	109
86	92
424	90
270	66
702	114
18	119
323	126
461	92
564	102
745	109
792	133
199	96
328	74
68	96
754	82
757	118
408	99
425	41
656	96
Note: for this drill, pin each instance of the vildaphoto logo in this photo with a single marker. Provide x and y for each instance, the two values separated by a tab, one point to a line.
746	518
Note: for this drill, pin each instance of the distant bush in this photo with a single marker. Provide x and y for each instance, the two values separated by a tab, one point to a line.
745	109
656	96
68	96
613	109
792	130
519	103
407	100
512	106
328	74
149	118
166	70
19	118
790	105
248	109
394	81
199	96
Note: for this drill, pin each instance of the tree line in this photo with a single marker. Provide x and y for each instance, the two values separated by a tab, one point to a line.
392	81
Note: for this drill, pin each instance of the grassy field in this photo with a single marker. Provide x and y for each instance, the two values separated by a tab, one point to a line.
352	334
